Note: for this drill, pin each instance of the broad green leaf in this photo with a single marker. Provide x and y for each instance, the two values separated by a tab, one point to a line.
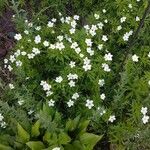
89	139
35	129
72	124
3	147
83	126
35	145
76	145
47	137
22	134
63	138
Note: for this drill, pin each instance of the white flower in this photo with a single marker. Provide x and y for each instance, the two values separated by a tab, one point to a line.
11	86
31	56
38	28
123	19
137	18
76	17
106	21
18	63
60	46
100	25
70	103
48	93
56	148
89	103
96	16
26	32
23	53
81	55
112	118
90	51
51	103
104	11
3	124
74	45
104	38
127	35
144	110
1	117
108	57
86	60
60	38
46	86
145	119
100	46
59	79
52	46
72	31
135	58
119	28
72	64
30	24
20	102
50	24
36	51
77	50
149	82
102	96
18	37
73	24
88	42
101	82
10	68
106	67
71	83
37	39
72	76
149	54
130	5
46	43
12	58
75	96
54	19
87	67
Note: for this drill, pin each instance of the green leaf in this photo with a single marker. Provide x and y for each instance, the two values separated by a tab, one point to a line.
76	145
72	124
3	147
35	129
89	139
22	134
35	145
63	138
83	126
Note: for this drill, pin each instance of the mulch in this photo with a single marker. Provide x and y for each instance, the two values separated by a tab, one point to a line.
7	27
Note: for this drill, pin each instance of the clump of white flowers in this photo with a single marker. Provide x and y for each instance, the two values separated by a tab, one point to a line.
87	64
47	88
145	117
127	35
2	122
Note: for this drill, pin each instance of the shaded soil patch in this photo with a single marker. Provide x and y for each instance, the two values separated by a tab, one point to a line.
7	27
